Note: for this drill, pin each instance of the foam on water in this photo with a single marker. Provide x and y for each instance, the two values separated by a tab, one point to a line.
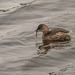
9	6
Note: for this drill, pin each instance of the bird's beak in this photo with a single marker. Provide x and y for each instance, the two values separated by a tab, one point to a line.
36	34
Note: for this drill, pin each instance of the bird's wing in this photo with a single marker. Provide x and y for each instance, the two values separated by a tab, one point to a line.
56	30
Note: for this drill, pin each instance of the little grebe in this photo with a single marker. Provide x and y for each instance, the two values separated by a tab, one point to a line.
56	34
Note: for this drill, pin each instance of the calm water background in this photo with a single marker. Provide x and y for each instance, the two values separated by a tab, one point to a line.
19	49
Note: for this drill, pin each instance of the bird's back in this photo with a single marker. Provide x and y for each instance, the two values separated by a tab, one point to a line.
56	30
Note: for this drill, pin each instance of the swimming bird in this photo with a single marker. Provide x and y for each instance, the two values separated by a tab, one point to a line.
56	34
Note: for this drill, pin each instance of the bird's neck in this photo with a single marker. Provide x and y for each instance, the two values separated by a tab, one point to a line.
45	32
43	35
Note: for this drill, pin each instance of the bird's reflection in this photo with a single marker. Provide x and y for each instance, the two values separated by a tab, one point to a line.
47	45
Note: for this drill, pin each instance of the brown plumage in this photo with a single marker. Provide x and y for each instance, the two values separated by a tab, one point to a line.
56	34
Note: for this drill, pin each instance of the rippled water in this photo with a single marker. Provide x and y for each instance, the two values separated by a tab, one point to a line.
20	52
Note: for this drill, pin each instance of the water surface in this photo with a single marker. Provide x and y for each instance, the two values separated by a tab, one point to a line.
20	52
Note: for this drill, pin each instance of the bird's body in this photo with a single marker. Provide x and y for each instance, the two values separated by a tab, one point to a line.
56	34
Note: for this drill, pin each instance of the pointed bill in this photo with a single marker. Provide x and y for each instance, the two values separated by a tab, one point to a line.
36	34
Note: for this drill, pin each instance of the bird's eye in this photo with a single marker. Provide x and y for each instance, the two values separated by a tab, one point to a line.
40	27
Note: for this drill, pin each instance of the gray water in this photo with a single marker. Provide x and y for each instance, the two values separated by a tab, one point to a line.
20	52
